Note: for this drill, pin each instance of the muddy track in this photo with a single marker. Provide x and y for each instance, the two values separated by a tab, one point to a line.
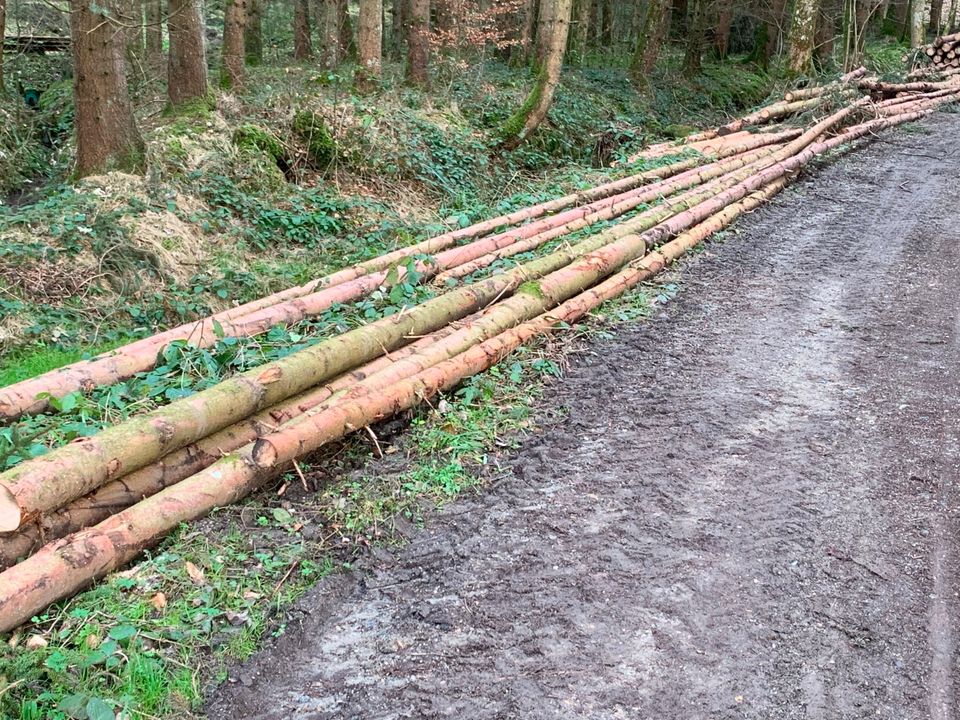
749	509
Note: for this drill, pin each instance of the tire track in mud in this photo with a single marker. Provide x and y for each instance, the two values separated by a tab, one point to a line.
749	509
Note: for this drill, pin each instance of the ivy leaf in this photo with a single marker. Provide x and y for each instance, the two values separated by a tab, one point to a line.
97	709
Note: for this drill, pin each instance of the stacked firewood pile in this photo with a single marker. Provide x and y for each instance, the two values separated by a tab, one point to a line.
90	506
941	57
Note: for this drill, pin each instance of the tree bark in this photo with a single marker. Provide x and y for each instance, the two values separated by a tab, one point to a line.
107	135
398	20
187	66
544	30
916	23
253	33
302	44
3	28
803	28
901	18
649	39
534	109
232	73
581	28
332	52
370	43
826	34
418	42
154	34
724	22
606	24
936	16
693	57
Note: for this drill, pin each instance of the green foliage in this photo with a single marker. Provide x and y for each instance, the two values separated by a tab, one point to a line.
311	129
255	139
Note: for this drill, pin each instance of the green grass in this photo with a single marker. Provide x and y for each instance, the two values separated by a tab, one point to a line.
28	363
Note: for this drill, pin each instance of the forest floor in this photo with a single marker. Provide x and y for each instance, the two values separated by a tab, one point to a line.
744	507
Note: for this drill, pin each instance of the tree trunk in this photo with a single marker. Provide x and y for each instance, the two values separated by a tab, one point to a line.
398	20
154	34
332	52
936	16
302	45
693	57
952	17
545	27
187	67
3	29
649	39
581	28
232	55
107	135
418	42
253	33
724	22
803	28
370	43
916	23
606	24
534	109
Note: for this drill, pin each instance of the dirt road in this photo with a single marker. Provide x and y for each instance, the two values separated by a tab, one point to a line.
750	510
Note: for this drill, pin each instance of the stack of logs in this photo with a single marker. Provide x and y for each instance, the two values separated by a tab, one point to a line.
941	56
88	507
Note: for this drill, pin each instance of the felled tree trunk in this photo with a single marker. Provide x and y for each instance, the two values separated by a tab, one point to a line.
535	107
107	135
187	66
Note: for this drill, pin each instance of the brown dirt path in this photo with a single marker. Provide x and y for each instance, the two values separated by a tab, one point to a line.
749	511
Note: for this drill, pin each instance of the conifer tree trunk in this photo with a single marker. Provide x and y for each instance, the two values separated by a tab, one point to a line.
3	29
693	57
370	43
398	20
606	24
936	14
187	66
253	33
724	22
651	35
917	8
331	52
302	45
232	56
418	42
534	109
803	28
107	135
154	34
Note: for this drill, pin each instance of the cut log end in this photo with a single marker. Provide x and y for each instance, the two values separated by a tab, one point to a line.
10	515
264	454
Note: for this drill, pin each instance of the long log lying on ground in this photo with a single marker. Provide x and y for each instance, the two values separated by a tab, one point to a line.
69	472
732	144
180	464
31	396
66	566
888	88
